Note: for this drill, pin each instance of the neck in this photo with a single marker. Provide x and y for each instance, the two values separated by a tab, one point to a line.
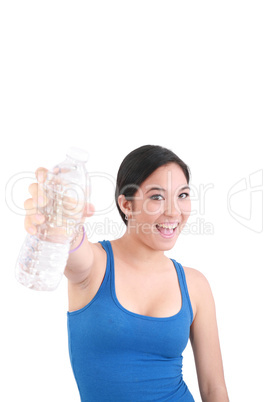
137	251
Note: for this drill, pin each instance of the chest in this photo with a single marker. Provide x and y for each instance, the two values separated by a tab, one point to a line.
154	294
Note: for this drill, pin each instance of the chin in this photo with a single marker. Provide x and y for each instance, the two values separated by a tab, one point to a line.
161	245
166	247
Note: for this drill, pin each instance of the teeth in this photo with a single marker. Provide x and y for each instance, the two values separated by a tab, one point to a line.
161	225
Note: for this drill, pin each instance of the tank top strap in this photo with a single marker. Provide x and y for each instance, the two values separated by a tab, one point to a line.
110	259
183	285
106	245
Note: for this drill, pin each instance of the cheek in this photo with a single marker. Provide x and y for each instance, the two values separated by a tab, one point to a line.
185	207
151	207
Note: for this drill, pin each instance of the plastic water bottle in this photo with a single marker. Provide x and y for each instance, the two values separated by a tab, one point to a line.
43	256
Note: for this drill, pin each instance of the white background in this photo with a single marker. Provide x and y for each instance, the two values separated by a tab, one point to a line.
112	76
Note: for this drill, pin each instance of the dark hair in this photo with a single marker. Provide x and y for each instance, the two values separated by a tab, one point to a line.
140	164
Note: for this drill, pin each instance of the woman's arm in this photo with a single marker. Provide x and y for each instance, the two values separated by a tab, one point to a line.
205	340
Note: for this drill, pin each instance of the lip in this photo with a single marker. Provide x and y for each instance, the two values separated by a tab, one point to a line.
172	234
168	223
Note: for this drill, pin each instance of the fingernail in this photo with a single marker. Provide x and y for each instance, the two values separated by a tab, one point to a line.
31	229
39	217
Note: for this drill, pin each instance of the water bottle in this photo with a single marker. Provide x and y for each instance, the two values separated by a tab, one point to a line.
43	256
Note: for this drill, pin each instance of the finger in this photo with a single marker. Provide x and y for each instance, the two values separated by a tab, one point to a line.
33	189
41	174
33	216
29	227
29	207
37	219
39	196
88	210
31	223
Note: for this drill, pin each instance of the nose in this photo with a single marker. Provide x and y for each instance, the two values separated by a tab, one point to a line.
172	209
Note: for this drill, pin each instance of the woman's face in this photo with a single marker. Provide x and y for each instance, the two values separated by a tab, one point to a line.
160	208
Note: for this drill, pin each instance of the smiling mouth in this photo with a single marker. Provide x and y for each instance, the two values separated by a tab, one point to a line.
167	230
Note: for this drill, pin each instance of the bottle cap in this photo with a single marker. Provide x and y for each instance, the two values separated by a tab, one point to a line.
78	154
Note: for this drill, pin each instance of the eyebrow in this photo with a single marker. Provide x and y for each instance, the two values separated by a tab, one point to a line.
155	188
162	189
185	188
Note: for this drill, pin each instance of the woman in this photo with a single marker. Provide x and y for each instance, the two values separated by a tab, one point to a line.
132	309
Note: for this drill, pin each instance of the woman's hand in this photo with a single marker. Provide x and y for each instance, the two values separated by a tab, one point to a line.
34	205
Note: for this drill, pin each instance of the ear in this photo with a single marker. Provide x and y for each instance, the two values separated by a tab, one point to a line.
125	205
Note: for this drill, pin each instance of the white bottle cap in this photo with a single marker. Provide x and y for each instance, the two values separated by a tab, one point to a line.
78	154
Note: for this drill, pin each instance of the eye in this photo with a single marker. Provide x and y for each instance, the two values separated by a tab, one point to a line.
184	195
157	197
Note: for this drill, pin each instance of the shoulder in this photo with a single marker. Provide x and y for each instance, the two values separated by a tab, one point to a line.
195	277
198	287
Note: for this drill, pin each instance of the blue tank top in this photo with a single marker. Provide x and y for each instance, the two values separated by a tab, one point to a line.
120	356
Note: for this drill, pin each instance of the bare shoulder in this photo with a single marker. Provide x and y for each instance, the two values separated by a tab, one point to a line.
195	277
98	250
198	287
